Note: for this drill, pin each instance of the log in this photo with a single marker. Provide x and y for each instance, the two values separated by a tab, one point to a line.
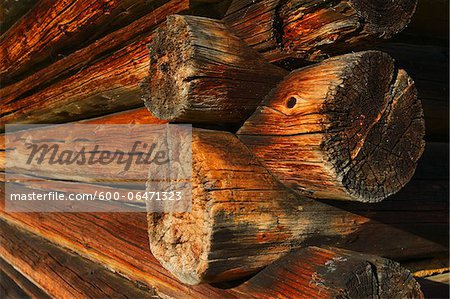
83	57
429	66
412	224
349	128
314	30
314	272
201	73
57	28
242	223
106	85
29	288
60	273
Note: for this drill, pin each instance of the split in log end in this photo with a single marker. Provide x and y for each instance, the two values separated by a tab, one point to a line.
201	73
314	272
348	128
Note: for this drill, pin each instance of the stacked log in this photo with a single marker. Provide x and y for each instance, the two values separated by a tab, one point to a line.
332	273
293	150
313	30
328	131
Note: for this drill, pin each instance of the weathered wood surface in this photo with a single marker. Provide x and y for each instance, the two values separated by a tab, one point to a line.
201	73
11	11
104	86
314	272
119	240
420	229
60	273
234	230
82	58
350	128
429	66
138	116
57	28
9	289
411	224
29	289
313	30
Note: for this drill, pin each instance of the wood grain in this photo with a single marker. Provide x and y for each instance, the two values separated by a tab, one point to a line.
60	273
314	272
312	30
57	28
200	73
242	219
349	128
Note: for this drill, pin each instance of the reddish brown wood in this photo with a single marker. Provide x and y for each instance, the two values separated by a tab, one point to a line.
201	73
84	57
313	30
55	28
60	273
314	272
349	128
412	224
234	230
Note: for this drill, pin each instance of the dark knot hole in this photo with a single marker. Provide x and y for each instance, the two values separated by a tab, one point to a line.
291	102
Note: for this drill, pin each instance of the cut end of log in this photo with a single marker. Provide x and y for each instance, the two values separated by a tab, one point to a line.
314	31
314	272
237	224
348	128
164	93
384	18
201	73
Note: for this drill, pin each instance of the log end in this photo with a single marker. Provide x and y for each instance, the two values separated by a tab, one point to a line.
314	272
164	91
385	18
349	128
378	128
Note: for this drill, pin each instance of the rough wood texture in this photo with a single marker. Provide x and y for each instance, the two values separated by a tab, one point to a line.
429	66
311	29
107	85
412	224
349	128
60	273
314	272
234	230
29	288
236	204
201	73
82	58
57	28
9	289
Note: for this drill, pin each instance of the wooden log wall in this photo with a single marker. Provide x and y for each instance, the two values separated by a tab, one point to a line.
411	228
54	28
314	30
350	128
320	131
64	282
